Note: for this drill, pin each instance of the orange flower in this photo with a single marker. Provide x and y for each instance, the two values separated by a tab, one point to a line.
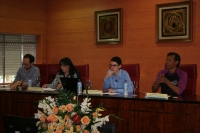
55	110
52	118
94	114
60	127
62	108
42	118
69	107
58	131
86	131
66	117
85	120
78	128
68	125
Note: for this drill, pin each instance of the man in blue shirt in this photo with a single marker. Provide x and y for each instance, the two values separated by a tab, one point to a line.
26	72
115	77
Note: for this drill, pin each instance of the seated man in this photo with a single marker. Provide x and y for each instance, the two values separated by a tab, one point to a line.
26	72
171	79
115	77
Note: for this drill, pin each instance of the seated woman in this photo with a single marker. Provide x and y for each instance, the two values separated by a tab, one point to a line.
67	70
115	77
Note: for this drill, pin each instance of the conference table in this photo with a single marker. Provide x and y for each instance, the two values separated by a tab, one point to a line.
139	114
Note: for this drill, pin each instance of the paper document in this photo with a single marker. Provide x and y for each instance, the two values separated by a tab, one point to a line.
156	96
93	92
35	89
111	93
48	89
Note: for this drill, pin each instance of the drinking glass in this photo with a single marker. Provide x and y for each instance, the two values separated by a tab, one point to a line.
135	84
37	81
88	84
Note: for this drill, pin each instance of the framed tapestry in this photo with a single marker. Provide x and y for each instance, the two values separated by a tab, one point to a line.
174	22
108	26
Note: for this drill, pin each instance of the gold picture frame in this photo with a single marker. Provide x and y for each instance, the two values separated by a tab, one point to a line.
174	22
108	26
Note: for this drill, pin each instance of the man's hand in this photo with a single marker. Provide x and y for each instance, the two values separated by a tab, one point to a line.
109	73
14	85
111	90
162	79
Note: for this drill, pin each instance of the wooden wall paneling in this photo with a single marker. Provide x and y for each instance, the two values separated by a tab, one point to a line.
125	115
32	10
151	116
186	115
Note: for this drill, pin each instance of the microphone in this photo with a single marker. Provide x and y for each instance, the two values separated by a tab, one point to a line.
116	80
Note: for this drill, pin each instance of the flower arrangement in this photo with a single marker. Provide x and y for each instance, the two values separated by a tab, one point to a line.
64	114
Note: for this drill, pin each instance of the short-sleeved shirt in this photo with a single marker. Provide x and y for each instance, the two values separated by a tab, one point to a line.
117	82
32	74
178	78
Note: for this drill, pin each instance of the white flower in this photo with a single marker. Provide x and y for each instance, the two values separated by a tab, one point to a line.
101	121
95	131
50	99
85	106
37	115
37	123
105	119
73	113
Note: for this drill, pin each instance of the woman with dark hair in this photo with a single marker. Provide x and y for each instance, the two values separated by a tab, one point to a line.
67	70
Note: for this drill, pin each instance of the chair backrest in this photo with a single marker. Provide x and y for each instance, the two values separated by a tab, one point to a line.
53	69
191	70
20	124
107	128
28	125
49	71
44	72
84	72
134	73
11	123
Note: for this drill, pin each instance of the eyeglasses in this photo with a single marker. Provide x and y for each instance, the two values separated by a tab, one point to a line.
113	65
25	64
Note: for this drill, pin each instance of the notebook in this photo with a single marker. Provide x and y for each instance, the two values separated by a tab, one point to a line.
70	84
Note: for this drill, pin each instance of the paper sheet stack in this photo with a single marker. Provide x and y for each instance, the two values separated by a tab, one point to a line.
35	89
156	96
93	92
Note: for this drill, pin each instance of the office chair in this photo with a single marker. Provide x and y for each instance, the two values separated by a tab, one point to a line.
134	73
14	124
191	70
107	128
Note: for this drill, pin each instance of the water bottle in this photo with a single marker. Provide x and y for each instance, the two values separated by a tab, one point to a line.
79	87
29	82
125	88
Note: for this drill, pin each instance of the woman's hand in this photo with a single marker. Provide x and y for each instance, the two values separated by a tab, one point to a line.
59	86
44	86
